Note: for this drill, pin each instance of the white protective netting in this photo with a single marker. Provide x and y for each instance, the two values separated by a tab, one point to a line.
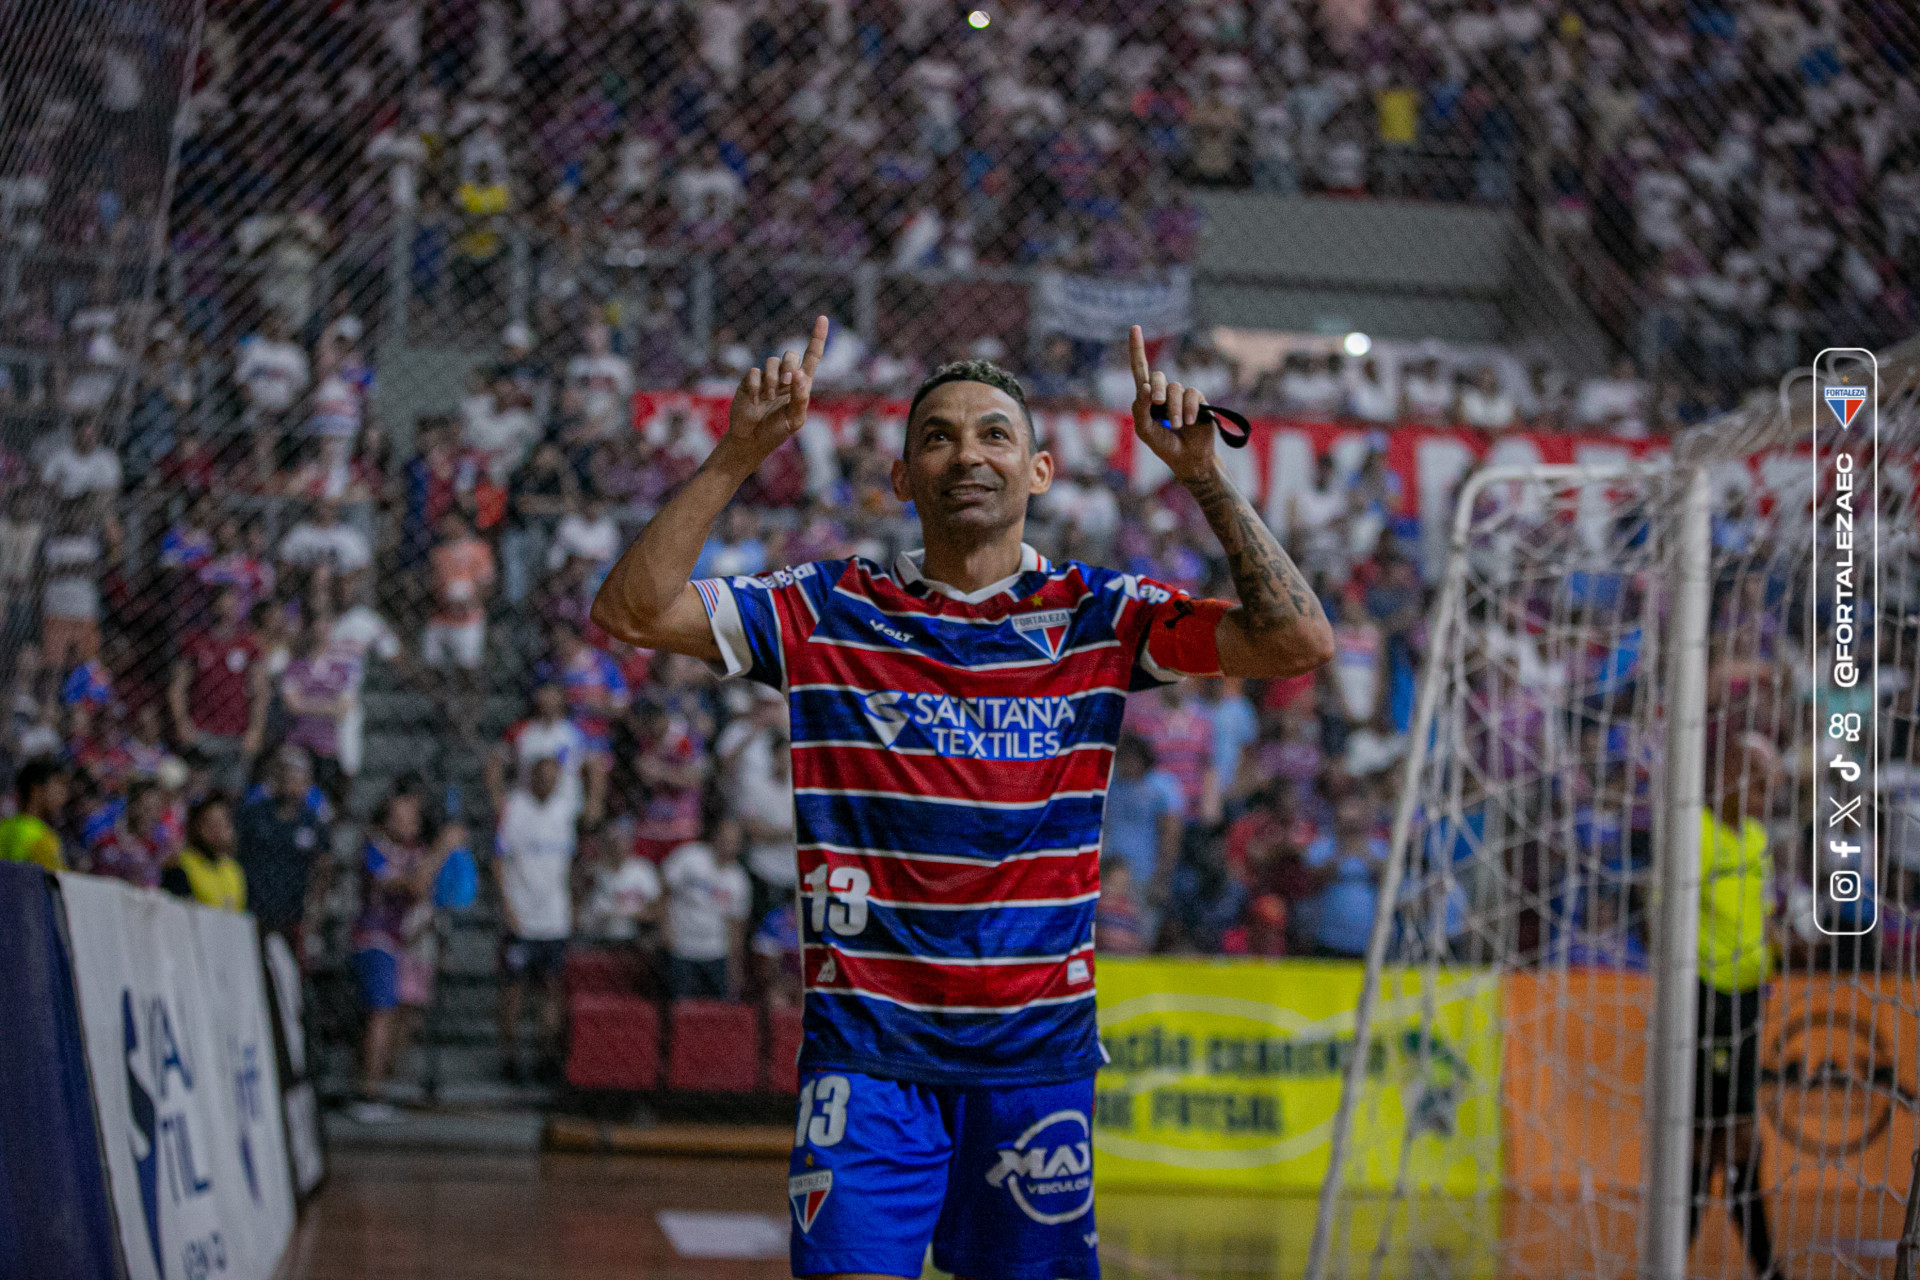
1533	839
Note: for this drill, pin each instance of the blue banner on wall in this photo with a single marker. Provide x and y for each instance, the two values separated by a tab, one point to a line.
53	1201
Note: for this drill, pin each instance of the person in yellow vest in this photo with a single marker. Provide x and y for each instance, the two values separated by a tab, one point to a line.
206	870
29	835
1736	959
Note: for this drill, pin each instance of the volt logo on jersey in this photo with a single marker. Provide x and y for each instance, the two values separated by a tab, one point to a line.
808	1191
1846	403
1045	630
1049	1168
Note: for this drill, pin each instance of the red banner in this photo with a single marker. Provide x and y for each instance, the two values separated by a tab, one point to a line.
1427	462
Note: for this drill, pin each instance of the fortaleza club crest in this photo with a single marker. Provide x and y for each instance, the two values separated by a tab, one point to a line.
1049	1168
1846	403
808	1191
1045	630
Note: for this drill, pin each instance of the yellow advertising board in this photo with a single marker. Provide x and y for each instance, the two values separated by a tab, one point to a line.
1226	1074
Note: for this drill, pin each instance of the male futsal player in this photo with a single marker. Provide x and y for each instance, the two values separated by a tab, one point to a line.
954	719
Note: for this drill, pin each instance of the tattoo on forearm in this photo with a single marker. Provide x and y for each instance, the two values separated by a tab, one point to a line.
1272	590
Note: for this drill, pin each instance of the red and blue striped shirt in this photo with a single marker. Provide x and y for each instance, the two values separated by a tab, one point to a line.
950	763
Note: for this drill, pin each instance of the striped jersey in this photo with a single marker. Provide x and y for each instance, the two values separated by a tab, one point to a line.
950	761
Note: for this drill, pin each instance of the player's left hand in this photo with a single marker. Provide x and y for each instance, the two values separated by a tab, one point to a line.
1185	441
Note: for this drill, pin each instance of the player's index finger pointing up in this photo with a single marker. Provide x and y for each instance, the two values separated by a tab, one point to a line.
816	347
1137	348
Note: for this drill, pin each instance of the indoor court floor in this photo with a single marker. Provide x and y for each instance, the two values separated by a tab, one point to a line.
455	1215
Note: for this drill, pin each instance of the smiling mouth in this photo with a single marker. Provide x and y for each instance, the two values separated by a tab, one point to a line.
966	491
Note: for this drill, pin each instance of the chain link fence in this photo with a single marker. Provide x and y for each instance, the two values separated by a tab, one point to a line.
345	345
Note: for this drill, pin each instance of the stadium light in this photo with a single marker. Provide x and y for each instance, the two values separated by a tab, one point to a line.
979	19
1357	344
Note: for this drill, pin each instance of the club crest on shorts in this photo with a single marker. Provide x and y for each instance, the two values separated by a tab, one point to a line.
1049	1169
1045	630
1846	403
808	1191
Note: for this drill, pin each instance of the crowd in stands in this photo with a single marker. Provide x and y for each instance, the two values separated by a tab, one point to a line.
210	539
1732	182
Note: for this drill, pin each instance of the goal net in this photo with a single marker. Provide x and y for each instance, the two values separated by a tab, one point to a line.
1607	641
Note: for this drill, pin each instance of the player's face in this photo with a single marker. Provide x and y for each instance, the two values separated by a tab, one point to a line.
970	466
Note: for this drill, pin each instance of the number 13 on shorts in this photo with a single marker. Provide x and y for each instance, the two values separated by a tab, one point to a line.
823	1112
998	1180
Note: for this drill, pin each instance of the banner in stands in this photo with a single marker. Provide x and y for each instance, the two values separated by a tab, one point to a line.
1092	309
1227	1074
55	1223
1425	464
164	1091
299	1103
1839	1068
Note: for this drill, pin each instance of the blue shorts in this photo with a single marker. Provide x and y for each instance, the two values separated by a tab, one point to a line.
379	975
1000	1181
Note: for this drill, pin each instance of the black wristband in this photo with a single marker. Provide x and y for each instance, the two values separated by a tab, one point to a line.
1235	430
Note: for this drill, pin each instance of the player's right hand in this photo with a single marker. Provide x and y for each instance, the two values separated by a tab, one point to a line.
771	403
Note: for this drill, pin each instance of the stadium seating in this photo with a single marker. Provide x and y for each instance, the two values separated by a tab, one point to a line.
715	1047
783	1050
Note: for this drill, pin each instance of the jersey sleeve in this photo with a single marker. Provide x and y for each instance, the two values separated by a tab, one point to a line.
757	620
1173	633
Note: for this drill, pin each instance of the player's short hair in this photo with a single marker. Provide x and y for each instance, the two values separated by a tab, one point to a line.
972	371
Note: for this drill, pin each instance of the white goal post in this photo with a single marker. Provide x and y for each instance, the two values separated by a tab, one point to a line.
1601	638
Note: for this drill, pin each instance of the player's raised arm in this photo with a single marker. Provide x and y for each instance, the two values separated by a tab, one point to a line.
1279	628
648	599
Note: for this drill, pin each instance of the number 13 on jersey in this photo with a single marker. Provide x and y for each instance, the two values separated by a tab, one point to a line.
839	898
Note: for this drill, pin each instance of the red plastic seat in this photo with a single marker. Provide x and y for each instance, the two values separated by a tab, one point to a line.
604	972
613	1042
715	1047
783	1050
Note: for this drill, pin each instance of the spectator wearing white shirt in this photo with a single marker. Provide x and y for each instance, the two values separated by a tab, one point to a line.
1610	402
709	192
755	754
335	414
323	538
548	734
604	381
1483	403
586	533
708	896
1313	516
1113	383
1084	503
359	632
71	559
533	865
1428	391
94	374
625	889
1202	368
497	422
272	371
1310	387
84	468
1374	394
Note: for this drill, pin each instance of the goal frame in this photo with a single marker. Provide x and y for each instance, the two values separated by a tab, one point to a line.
1669	1154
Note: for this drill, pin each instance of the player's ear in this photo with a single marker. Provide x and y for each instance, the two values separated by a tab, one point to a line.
1042	473
899	474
